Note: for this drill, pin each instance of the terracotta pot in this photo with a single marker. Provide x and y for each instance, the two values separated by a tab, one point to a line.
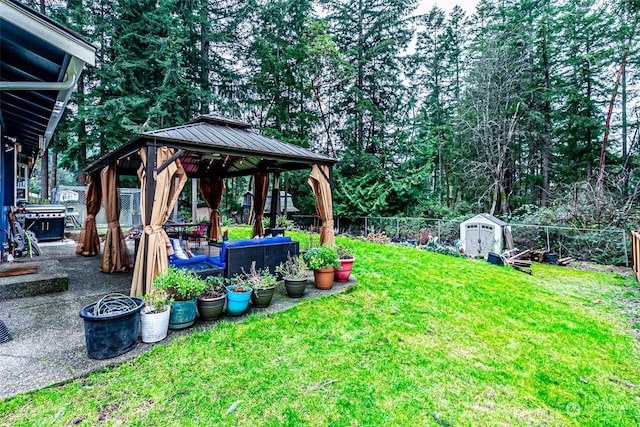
343	274
324	278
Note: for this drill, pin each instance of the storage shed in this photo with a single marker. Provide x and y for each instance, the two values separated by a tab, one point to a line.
482	234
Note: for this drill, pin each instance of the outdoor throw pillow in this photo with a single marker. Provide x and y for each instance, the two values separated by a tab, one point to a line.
177	249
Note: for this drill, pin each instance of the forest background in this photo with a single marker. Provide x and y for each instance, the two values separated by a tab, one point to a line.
525	109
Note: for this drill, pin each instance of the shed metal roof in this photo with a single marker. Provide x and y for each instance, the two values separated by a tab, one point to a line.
40	63
216	146
488	217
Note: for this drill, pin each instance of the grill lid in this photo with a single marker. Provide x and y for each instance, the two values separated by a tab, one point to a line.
41	209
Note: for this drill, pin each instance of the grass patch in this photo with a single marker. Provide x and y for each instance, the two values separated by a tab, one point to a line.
423	339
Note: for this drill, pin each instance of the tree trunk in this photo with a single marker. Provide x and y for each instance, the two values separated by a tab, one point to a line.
44	176
54	171
546	137
82	143
625	133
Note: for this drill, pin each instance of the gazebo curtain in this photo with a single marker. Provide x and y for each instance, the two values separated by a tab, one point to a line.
319	182
152	253
89	243
211	190
259	200
115	256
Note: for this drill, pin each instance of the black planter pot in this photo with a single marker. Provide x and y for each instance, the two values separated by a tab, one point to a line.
261	298
210	308
111	335
295	287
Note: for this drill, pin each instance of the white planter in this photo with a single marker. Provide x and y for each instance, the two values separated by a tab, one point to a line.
154	326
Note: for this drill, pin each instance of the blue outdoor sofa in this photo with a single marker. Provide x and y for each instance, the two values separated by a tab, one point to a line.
236	256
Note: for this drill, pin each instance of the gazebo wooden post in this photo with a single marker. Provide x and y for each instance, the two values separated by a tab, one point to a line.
150	186
275	199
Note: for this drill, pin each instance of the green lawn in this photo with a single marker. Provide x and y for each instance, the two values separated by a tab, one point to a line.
423	339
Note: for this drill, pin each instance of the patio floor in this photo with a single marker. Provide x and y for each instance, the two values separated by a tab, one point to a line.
48	346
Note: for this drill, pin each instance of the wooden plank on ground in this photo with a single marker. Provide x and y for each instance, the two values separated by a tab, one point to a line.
510	252
19	270
508	237
564	261
538	255
523	254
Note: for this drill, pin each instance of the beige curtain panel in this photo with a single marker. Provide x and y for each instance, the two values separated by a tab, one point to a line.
151	259
89	243
211	190
259	200
319	182
115	256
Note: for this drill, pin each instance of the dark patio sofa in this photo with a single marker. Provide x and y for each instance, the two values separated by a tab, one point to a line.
237	255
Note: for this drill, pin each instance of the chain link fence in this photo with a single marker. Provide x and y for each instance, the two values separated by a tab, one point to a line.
74	197
606	245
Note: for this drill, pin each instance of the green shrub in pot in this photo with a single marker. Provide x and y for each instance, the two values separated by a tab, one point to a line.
184	286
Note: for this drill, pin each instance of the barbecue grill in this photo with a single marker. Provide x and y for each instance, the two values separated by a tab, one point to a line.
46	221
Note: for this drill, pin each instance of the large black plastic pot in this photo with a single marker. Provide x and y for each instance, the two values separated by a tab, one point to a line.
110	335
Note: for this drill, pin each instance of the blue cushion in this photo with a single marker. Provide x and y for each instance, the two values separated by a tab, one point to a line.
276	239
216	261
196	266
195	259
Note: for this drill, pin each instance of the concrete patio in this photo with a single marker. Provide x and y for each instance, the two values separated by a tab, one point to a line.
48	344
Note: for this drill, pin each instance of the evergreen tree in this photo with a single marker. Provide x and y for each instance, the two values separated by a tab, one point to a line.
370	35
279	61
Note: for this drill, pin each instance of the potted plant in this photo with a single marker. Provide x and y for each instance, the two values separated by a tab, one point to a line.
238	296
346	263
154	317
263	284
294	273
111	325
183	286
323	261
211	301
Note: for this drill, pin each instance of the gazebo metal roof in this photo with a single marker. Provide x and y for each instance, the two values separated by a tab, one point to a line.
216	146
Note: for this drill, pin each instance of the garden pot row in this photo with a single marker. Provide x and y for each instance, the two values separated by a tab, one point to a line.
178	295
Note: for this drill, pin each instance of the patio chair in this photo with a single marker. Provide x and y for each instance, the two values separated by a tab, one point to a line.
195	234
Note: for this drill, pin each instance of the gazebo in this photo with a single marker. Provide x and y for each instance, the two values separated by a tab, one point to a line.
209	148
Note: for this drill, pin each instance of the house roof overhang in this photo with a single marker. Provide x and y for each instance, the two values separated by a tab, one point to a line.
215	146
40	64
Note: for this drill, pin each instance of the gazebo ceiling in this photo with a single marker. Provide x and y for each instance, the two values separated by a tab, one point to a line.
40	64
215	146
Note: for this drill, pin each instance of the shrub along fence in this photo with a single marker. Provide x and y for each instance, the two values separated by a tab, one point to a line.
604	245
608	245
